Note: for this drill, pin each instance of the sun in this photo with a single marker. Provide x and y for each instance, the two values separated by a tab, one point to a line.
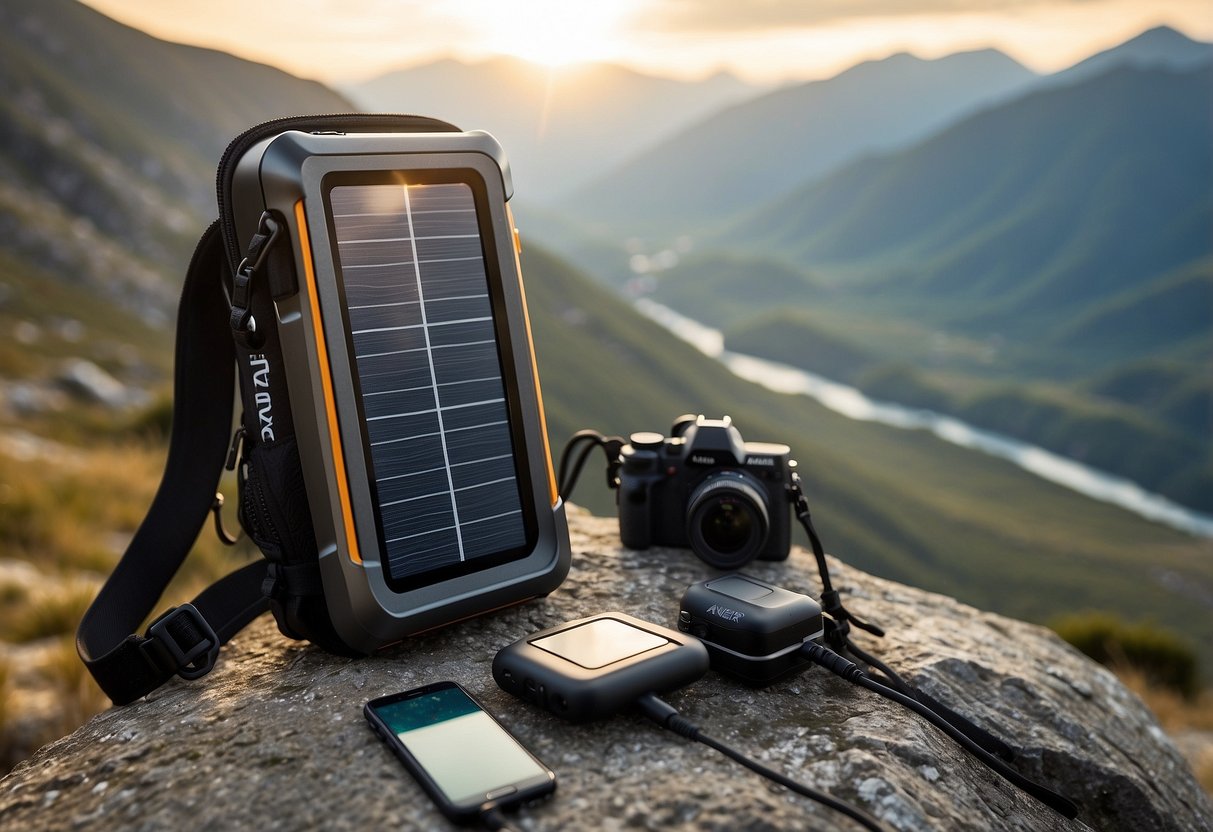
552	33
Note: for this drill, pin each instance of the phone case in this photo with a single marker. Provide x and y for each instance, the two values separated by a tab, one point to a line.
522	792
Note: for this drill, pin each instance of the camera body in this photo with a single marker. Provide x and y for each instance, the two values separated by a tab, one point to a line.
706	488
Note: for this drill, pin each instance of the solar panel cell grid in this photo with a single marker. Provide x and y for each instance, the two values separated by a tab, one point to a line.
430	375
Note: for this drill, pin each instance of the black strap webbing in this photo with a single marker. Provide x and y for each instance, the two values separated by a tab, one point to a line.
184	641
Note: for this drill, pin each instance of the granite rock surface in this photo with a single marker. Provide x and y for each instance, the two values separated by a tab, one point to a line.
274	737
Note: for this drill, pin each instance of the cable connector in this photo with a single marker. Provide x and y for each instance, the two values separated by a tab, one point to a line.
831	661
667	716
656	709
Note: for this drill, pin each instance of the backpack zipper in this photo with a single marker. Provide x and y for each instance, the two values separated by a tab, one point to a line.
327	123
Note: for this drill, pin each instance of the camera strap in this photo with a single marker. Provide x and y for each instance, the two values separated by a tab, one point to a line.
831	602
838	635
185	640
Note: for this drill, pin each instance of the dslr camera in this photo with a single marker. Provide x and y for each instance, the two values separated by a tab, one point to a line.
705	487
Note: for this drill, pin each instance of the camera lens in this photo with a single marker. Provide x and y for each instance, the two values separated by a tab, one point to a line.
727	519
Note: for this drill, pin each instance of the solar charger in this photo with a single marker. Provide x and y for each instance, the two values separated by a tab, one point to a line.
412	384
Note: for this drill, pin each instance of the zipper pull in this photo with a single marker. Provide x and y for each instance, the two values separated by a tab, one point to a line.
225	537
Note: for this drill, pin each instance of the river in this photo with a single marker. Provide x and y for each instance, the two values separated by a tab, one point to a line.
853	404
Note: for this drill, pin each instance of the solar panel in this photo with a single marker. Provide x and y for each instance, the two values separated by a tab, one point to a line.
429	376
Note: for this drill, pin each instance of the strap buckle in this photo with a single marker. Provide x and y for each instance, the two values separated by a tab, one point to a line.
189	640
796	496
243	322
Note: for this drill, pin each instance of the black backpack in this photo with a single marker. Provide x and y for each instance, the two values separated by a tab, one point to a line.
217	301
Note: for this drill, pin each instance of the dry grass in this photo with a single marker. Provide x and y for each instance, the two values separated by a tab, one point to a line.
1174	712
70	512
50	610
78	694
77	513
4	671
1178	716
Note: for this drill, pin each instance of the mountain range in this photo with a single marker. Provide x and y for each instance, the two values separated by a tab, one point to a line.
1010	269
109	140
1027	203
754	151
901	504
562	125
1158	48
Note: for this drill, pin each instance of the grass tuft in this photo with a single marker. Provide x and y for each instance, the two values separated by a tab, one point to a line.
79	696
54	610
1179	716
1154	652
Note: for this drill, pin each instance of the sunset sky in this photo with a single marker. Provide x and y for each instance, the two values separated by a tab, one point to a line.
761	40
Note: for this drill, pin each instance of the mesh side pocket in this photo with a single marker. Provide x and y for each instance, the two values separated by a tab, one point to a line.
274	512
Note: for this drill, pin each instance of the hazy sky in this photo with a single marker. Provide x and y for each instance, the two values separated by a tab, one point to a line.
766	40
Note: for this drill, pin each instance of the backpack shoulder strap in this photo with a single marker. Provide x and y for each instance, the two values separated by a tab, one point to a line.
185	640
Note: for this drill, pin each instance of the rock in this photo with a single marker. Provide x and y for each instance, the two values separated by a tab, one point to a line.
274	738
27	398
88	381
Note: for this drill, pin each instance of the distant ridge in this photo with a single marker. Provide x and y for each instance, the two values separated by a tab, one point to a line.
1051	202
560	127
752	152
1159	48
159	91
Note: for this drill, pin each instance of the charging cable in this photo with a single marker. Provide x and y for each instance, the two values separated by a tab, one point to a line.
588	440
848	670
976	733
667	716
493	818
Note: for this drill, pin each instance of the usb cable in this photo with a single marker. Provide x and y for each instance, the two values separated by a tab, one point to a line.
493	818
848	670
667	716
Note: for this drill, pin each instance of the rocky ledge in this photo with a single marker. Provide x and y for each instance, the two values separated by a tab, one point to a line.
274	738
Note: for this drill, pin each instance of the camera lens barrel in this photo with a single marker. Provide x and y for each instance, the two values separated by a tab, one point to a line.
727	519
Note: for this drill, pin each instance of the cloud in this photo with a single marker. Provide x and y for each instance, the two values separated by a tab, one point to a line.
765	15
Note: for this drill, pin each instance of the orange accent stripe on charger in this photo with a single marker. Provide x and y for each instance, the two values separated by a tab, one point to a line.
526	316
326	383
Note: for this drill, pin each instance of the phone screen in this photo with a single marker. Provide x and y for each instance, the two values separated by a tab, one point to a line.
467	755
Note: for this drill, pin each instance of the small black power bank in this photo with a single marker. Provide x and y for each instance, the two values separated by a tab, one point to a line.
594	667
753	630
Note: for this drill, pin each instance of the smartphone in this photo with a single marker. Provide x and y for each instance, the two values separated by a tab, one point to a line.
460	755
